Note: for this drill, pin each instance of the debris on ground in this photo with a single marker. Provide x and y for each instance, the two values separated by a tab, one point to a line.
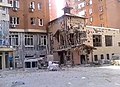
17	83
53	66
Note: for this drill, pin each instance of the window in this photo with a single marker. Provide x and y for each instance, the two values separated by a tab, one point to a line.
91	19
13	40
101	16
118	43
31	64
97	40
40	22
101	25
15	4
42	40
34	64
99	0
108	40
29	39
11	2
14	20
81	5
32	5
101	8
82	13
39	6
27	64
90	11
90	2
32	21
102	57
108	56
95	57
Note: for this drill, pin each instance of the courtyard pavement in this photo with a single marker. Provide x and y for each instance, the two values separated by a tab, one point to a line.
104	76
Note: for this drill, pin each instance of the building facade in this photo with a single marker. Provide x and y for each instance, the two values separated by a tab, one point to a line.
67	37
53	9
74	42
6	53
105	40
28	29
102	13
96	44
99	12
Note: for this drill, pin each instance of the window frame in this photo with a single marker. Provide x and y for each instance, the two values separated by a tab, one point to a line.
42	40
13	40
107	39
39	6
40	22
33	21
29	40
99	42
14	20
32	4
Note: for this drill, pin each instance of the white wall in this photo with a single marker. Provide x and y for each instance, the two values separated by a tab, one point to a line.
103	49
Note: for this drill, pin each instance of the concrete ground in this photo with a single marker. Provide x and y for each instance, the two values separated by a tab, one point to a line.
107	76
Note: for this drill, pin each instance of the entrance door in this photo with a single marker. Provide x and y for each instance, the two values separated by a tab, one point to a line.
61	58
82	57
0	62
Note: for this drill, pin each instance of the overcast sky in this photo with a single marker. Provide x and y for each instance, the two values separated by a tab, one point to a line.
60	4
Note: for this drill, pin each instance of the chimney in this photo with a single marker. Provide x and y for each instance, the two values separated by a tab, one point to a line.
67	9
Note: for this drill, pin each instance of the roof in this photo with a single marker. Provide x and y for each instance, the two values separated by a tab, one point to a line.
69	15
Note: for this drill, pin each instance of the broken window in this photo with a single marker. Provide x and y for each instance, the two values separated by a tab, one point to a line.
97	40
108	40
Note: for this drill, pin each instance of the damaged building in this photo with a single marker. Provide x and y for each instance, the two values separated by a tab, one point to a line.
67	35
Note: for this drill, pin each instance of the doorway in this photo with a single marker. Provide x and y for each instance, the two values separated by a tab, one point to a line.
61	57
82	59
0	62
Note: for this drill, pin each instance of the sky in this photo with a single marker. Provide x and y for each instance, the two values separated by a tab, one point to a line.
60	4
